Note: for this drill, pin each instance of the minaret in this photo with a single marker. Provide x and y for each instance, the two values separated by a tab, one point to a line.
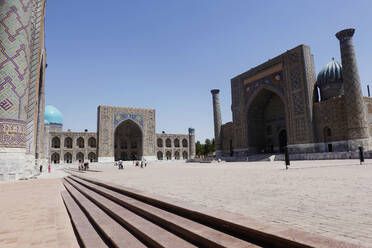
357	125
191	143
217	120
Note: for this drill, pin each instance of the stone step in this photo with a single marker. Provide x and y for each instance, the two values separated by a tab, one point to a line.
189	230
73	170
151	234
224	223
87	235
114	234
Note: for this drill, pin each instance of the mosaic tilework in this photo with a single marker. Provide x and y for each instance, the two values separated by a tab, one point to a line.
120	117
36	43
15	26
12	133
15	69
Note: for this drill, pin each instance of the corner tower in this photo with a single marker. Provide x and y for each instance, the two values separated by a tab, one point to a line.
357	126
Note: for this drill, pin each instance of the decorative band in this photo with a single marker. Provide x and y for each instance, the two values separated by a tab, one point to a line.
12	133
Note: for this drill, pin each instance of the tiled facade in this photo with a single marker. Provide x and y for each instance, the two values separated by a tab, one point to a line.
111	146
123	134
22	66
276	105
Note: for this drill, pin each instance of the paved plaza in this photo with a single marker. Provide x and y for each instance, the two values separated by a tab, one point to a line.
330	198
32	214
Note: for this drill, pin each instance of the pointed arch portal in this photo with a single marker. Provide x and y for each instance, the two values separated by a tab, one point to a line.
128	132
266	123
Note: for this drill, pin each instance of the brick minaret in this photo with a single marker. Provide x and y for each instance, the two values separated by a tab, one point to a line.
217	120
357	126
191	143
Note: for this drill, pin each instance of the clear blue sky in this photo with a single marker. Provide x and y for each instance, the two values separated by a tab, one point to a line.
169	54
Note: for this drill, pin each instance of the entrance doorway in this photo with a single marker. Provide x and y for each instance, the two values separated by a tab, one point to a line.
128	141
330	148
266	123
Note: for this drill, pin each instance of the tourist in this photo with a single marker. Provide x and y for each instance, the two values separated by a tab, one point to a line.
120	165
141	163
41	168
49	168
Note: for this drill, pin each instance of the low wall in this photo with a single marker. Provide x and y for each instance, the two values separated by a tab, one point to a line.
323	156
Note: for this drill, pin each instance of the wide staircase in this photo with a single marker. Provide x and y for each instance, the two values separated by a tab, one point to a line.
108	215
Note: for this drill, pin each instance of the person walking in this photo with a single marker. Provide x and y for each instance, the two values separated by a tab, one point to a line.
49	168
41	168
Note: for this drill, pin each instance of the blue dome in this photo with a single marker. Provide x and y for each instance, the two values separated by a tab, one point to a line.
53	115
332	72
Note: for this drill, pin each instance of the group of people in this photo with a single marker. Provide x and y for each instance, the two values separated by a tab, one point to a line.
120	164
41	168
83	166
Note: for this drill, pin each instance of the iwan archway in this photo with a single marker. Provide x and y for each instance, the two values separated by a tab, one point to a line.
128	141
266	123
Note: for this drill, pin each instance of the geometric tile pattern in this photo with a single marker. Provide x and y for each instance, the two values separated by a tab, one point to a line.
295	78
120	117
15	44
18	36
354	104
33	97
298	103
12	133
15	26
268	82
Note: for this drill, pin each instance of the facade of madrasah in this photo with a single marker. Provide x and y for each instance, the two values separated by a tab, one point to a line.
283	104
27	139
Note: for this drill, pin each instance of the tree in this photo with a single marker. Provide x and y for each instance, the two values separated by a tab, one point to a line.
205	149
208	147
198	148
213	145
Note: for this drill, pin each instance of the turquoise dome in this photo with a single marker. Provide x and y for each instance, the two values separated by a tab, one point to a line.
52	115
332	72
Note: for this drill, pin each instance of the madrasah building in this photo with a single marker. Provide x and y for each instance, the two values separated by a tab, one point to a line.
31	134
283	104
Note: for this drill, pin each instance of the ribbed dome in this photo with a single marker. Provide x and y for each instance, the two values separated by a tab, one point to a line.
52	115
330	81
330	73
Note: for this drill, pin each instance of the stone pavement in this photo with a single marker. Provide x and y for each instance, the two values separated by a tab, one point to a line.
329	197
32	214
